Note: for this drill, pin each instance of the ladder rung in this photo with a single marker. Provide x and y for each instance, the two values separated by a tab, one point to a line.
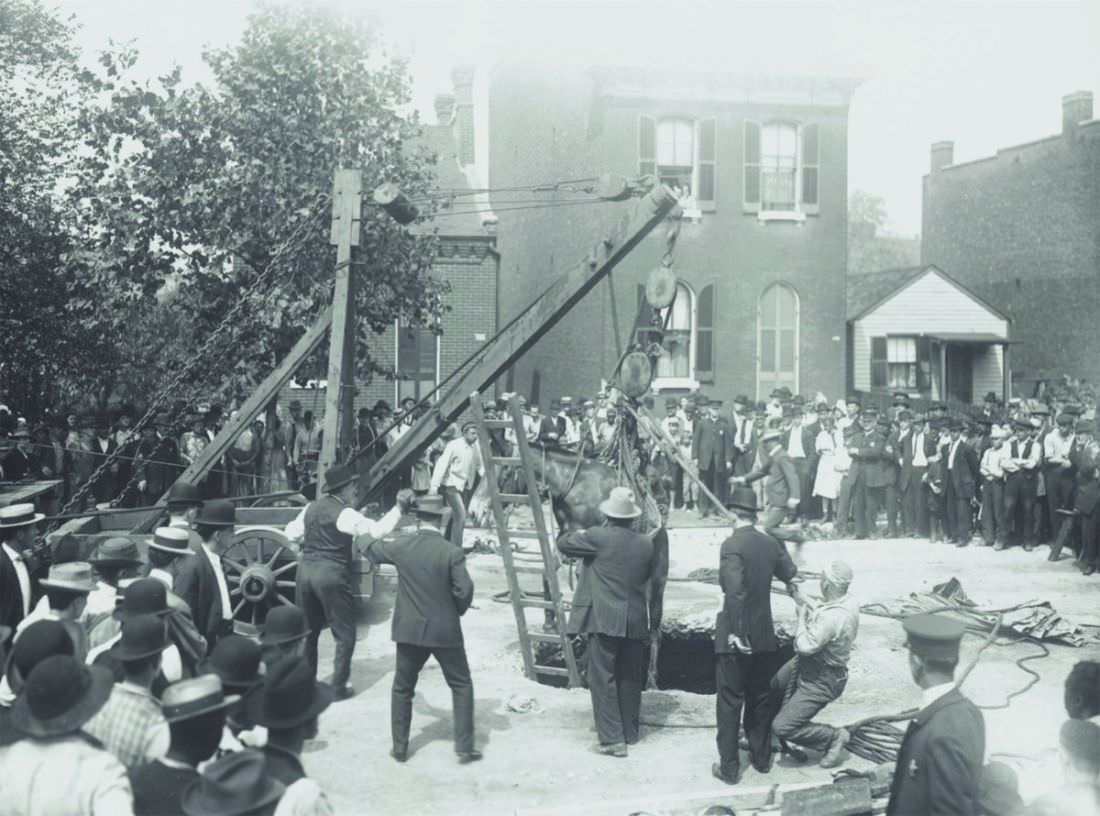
522	534
515	498
546	637
539	603
506	460
529	570
497	423
557	671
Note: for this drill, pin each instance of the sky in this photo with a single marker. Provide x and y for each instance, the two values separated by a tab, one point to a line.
985	74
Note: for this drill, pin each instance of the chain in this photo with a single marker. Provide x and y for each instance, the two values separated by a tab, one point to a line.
77	499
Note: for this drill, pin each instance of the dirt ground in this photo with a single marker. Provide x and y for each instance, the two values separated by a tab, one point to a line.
538	741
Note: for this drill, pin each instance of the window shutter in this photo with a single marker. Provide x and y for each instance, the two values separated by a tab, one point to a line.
810	152
751	194
406	350
879	366
705	192
647	146
704	335
924	364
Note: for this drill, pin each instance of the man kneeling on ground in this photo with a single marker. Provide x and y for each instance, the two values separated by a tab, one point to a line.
819	669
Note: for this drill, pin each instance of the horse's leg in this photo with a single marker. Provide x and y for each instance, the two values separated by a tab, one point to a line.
657	601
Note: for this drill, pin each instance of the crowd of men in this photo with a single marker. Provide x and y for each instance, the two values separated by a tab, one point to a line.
125	688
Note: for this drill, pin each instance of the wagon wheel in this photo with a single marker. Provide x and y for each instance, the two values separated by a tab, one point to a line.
261	570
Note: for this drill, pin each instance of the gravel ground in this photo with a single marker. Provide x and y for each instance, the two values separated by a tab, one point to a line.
538	741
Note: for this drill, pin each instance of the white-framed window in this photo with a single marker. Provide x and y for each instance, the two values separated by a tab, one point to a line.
676	367
416	361
681	152
894	363
777	340
781	169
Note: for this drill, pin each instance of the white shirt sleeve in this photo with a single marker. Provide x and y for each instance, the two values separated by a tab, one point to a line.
296	530
354	523
442	465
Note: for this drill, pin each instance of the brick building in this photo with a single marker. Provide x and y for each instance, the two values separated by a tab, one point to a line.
761	253
1022	229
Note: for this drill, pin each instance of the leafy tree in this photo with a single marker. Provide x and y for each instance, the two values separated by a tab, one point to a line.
868	249
189	200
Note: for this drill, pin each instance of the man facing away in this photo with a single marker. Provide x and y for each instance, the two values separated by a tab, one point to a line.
611	608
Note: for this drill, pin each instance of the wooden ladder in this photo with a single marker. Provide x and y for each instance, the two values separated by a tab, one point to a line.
545	566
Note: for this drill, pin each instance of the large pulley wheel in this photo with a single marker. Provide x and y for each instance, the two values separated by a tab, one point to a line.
660	288
261	569
636	374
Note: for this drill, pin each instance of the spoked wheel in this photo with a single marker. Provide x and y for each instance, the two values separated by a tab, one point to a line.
260	568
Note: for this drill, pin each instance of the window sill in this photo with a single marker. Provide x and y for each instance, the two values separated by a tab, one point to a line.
674	383
781	215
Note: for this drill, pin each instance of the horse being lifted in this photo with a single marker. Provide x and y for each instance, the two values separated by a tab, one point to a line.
577	485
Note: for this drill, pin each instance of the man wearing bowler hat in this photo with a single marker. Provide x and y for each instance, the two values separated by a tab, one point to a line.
115	558
433	592
59	769
782	485
744	637
327	530
183	503
200	580
939	765
43	639
284	635
611	609
236	784
195	712
17	528
236	661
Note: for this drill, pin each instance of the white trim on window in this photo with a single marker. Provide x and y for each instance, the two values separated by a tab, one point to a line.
396	361
690	380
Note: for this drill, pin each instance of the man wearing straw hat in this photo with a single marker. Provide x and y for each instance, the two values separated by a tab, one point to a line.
66	589
611	609
17	526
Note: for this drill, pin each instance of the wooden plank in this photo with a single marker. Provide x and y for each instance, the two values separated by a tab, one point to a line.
848	797
520	336
515	498
264	393
20	492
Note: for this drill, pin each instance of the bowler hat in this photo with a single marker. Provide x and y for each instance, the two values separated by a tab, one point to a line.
218	513
183	494
75	576
742	497
284	624
61	694
146	596
142	636
238	783
620	504
19	515
172	540
39	640
990	397
195	696
337	476
934	636
236	660
288	697
116	551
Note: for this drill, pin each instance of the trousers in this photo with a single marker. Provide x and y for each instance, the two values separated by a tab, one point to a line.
457	526
456	671
616	675
1060	487
743	696
866	502
816	685
1019	507
993	523
324	594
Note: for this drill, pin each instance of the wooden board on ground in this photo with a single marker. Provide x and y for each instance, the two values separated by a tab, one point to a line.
19	492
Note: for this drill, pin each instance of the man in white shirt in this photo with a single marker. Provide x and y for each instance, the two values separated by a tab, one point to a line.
993	479
1020	462
17	528
1058	475
453	477
326	531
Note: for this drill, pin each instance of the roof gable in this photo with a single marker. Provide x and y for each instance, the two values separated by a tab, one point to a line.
880	287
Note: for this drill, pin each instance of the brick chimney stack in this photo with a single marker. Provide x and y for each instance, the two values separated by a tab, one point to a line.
444	108
1076	108
462	77
943	155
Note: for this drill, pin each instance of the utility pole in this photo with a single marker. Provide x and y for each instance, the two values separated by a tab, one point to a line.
347	189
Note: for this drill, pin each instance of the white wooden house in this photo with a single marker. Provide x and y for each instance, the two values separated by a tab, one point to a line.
920	331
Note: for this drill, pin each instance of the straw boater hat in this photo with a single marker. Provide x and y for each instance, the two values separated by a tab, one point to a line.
195	696
171	540
116	551
61	695
620	504
19	515
75	576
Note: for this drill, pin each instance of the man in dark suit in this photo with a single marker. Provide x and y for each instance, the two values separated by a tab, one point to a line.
159	460
199	579
103	443
708	450
744	637
611	608
939	767
962	477
17	589
868	472
433	591
782	486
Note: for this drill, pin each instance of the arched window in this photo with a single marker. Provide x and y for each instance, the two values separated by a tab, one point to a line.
777	340
678	361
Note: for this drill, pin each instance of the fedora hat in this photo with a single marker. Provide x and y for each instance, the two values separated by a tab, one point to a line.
183	494
237	783
195	696
218	513
289	696
284	624
19	515
742	497
236	660
116	551
620	504
61	694
75	576
142	636
337	476
42	639
171	540
145	596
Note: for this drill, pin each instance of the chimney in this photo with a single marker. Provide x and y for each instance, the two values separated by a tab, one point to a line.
444	108
462	77
943	155
1076	108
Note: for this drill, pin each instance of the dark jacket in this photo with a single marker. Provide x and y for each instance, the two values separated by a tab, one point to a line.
750	559
433	587
158	789
197	585
106	486
781	482
965	473
870	463
11	601
708	443
905	452
612	593
939	770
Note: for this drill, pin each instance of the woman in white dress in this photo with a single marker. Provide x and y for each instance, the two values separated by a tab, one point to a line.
830	448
